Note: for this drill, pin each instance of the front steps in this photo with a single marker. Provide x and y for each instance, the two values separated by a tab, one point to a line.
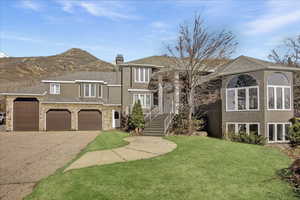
156	127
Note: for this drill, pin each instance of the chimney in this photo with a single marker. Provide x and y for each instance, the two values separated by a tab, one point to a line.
119	59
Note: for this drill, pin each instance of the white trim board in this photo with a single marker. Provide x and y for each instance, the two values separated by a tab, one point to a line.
140	90
23	94
56	81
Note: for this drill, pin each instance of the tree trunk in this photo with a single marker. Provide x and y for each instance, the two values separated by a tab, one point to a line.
190	111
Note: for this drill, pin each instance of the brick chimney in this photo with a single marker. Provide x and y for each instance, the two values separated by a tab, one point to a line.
119	59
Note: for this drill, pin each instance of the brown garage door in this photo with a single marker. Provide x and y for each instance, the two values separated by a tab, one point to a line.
89	120
58	120
26	114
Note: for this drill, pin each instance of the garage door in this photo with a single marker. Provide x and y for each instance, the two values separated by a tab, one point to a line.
26	114
89	120
58	120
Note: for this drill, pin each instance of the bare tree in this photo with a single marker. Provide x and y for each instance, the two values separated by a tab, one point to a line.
194	46
288	53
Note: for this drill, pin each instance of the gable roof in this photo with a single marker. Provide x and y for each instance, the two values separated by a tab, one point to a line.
108	77
243	64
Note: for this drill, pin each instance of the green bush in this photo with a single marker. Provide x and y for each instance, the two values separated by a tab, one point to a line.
294	132
180	124
251	138
136	120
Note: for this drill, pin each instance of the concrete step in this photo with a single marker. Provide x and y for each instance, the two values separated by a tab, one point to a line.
154	129
153	134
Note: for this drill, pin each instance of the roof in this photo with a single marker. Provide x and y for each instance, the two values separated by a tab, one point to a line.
243	64
37	90
109	77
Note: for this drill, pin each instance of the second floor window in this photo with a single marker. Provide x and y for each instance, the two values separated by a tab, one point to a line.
279	92
242	94
142	75
54	88
89	90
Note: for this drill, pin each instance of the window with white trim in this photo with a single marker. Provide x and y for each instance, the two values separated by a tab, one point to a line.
142	74
89	90
54	88
145	99
242	94
237	127
277	132
279	92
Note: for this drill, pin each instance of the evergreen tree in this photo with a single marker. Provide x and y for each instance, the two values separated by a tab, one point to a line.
136	119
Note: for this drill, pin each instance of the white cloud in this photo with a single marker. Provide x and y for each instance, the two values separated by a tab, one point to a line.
110	9
277	15
31	4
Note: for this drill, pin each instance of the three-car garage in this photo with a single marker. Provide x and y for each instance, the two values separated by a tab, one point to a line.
26	117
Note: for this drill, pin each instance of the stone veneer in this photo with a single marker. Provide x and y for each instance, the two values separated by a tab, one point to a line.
106	111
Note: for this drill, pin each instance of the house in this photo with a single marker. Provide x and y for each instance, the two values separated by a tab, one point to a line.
81	100
255	96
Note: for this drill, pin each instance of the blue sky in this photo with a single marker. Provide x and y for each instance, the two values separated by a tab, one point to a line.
139	28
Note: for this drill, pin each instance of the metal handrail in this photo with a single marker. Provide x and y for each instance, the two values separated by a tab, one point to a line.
152	114
168	121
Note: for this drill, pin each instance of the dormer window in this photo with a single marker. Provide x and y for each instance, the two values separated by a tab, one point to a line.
54	88
89	90
142	75
242	94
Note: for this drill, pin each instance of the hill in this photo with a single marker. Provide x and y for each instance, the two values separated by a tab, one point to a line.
26	71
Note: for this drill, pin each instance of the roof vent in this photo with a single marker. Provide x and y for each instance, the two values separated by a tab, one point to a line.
119	59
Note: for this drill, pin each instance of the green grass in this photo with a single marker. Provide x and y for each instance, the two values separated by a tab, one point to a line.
199	168
107	140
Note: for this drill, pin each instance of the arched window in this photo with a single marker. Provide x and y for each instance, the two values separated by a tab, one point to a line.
242	93
243	80
279	92
278	79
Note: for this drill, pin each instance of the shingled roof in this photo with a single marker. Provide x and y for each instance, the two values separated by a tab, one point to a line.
109	77
243	64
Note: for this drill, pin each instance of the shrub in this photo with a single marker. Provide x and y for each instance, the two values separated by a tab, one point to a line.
294	132
136	120
251	138
180	124
292	175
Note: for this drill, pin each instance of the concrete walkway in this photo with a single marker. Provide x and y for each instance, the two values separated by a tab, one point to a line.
139	147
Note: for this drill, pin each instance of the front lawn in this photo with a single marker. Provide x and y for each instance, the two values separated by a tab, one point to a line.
200	168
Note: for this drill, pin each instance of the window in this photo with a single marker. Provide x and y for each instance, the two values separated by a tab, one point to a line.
142	75
89	90
242	94
145	99
54	88
277	132
100	91
242	128
279	92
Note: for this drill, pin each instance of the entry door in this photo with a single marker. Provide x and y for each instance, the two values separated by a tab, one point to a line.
117	120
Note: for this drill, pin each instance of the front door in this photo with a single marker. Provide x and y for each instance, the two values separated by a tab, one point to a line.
116	119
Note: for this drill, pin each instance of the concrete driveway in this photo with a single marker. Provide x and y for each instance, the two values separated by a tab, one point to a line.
25	158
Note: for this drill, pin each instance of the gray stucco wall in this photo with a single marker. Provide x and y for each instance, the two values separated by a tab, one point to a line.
128	82
114	95
263	115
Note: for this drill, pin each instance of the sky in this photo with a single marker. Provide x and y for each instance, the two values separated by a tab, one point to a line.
139	28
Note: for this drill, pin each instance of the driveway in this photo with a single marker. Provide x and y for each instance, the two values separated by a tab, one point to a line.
25	158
